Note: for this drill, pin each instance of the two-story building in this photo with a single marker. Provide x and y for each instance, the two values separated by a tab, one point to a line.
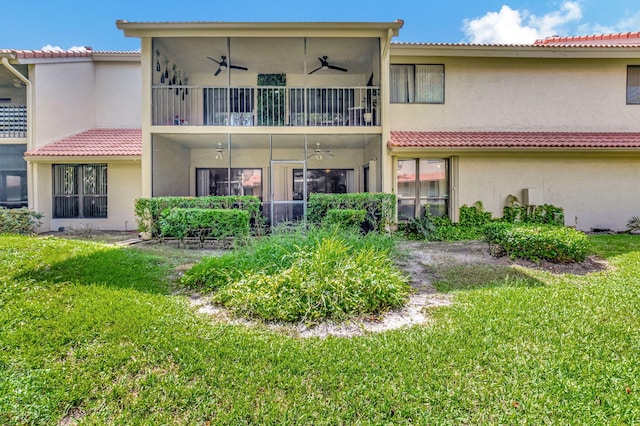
282	110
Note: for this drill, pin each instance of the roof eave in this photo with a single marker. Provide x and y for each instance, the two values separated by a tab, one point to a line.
239	29
510	51
75	158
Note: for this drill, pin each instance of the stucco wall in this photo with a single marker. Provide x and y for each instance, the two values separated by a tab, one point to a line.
595	191
64	100
118	94
515	94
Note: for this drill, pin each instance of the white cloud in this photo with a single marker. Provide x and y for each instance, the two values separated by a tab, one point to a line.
51	48
511	26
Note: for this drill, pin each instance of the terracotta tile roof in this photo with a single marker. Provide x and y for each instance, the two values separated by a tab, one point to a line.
618	40
596	140
94	143
54	54
630	39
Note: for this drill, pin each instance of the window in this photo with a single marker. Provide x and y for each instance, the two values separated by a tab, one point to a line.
79	190
13	176
423	185
326	181
223	181
422	84
633	84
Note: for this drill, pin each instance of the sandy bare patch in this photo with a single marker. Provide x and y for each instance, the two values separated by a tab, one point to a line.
418	259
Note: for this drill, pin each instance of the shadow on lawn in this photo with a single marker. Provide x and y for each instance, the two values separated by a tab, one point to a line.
471	276
112	267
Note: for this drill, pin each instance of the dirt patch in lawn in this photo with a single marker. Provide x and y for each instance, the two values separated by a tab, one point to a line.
422	261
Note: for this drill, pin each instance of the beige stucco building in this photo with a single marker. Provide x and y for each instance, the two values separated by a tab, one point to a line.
281	110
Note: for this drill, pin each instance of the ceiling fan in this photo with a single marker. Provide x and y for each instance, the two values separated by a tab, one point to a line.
223	64
325	65
318	153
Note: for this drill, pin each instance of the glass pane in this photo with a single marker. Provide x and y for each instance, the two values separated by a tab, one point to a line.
65	179
12	157
430	83
66	206
13	185
94	206
401	83
433	178
633	85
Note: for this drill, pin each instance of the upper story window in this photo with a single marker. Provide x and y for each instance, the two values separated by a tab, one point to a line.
633	84
420	84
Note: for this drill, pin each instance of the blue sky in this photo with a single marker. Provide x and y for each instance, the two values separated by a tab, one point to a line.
69	23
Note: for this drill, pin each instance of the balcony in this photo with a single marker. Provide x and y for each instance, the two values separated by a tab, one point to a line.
271	106
13	121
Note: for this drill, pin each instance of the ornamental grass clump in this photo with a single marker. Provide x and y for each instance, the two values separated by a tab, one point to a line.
328	281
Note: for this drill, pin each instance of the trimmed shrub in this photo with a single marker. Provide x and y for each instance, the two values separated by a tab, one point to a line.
346	219
204	223
149	210
536	242
380	208
18	221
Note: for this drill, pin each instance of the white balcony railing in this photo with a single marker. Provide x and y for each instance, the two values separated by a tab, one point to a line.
13	121
265	106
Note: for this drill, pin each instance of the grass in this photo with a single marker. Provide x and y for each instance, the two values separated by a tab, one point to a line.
89	331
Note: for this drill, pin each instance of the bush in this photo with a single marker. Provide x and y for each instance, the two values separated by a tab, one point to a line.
545	214
434	228
474	215
204	223
18	221
149	210
296	276
351	219
537	242
328	280
380	208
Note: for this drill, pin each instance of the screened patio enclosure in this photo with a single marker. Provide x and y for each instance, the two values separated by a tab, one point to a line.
280	169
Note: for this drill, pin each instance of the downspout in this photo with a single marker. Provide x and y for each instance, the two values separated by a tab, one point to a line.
30	121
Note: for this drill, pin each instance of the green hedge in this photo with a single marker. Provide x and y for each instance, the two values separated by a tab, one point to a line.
347	219
380	208
18	221
544	214
149	210
537	242
204	223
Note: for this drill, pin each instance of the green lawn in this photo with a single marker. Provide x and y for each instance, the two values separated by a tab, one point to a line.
91	331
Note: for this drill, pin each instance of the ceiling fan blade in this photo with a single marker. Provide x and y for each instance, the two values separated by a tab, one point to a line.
208	57
329	153
217	71
238	67
317	69
334	67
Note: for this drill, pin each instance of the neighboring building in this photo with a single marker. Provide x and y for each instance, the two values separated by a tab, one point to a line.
281	110
76	116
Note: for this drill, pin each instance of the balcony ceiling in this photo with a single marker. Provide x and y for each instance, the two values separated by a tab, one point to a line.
269	55
333	142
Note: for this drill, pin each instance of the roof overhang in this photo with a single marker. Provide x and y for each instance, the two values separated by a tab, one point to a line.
514	51
402	143
262	29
